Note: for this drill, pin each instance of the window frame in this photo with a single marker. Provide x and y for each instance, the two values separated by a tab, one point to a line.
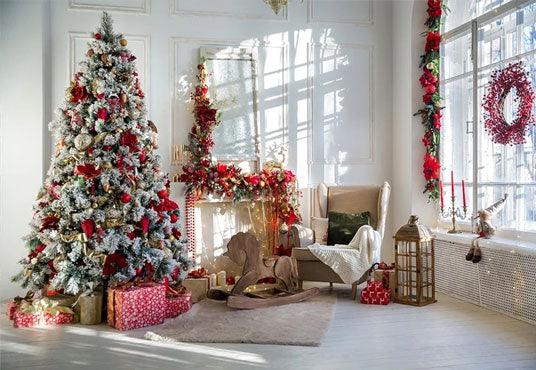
471	28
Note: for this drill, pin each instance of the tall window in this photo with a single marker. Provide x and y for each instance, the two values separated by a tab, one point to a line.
479	37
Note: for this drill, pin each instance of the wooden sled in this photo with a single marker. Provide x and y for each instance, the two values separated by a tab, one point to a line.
272	298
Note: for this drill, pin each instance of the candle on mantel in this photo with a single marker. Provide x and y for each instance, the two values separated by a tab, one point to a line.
441	194
452	183
463	194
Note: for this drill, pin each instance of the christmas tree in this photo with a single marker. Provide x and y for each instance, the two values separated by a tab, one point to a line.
103	213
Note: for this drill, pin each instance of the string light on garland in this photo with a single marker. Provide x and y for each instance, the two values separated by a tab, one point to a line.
502	81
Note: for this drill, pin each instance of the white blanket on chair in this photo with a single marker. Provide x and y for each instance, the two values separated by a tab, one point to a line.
351	261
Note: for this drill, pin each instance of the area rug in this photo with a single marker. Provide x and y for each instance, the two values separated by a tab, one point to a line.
209	321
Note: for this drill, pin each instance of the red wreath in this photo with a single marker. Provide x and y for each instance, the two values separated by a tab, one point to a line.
502	82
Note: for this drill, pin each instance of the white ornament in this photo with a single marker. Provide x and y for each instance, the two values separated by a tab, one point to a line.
82	141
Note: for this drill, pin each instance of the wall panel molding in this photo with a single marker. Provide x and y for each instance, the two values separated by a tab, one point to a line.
313	15
176	42
138	6
370	157
175	9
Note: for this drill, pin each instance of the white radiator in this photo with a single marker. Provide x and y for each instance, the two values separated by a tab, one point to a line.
503	281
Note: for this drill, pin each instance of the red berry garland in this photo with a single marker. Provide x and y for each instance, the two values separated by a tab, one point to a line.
501	83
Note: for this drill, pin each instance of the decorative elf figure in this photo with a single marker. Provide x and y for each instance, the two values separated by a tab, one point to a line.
104	211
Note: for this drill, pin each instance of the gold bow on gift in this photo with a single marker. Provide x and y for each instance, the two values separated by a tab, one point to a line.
43	306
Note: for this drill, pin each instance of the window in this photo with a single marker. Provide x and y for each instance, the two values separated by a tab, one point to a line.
479	37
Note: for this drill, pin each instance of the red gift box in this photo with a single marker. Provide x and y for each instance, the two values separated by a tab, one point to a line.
131	307
11	307
175	305
375	293
41	312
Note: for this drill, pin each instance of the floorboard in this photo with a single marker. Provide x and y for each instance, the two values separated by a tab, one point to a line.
448	334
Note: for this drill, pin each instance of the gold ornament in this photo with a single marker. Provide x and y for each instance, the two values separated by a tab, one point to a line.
90	53
95	205
123	98
171	238
82	141
123	42
106	187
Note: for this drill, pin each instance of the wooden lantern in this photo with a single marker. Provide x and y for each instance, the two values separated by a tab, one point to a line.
414	263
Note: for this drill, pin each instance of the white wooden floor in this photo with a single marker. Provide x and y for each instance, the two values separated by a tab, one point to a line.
450	333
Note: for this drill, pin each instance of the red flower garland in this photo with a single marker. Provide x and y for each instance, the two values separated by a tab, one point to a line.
501	83
204	176
431	113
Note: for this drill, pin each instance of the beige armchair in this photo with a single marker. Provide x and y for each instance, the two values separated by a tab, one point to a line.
347	199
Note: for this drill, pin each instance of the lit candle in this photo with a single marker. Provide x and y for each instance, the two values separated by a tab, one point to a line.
463	194
441	193
213	282
221	278
452	183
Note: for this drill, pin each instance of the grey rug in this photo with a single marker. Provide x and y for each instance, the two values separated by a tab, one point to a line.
299	324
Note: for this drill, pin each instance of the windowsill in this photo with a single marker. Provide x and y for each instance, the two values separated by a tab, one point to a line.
512	245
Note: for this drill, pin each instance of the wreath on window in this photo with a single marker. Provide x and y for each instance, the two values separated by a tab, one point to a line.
502	81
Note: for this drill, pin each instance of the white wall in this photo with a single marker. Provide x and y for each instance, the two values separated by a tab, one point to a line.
21	127
408	151
325	77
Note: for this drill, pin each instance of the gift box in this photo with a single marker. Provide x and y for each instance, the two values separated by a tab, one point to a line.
375	293
11	307
387	277
89	308
198	288
41	312
136	306
177	304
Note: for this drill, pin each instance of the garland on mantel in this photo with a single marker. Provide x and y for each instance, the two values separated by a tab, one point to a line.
431	113
203	175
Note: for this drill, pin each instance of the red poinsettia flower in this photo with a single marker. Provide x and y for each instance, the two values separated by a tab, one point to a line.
78	93
114	262
431	167
437	120
102	114
162	194
88	226
130	140
432	41
87	170
291	218
173	218
434	8
144	224
50	222
426	140
205	114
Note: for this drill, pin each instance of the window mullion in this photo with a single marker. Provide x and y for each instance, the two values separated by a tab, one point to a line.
474	57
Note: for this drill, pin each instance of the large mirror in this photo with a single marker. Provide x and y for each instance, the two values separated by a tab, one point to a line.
232	82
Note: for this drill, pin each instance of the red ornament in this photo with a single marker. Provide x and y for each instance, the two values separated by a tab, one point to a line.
513	76
88	226
97	35
173	218
230	280
125	197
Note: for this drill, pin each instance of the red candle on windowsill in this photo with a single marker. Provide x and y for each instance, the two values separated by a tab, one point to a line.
441	193
463	194
452	183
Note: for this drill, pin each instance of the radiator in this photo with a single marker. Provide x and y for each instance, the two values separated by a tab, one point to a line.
503	281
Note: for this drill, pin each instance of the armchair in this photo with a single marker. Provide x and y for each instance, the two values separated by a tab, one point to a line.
347	199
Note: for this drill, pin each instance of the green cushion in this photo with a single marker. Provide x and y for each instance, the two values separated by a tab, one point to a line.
343	226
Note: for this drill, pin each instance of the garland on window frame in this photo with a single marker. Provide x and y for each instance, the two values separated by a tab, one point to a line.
203	175
431	112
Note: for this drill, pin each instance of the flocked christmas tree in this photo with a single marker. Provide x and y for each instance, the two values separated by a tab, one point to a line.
103	213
